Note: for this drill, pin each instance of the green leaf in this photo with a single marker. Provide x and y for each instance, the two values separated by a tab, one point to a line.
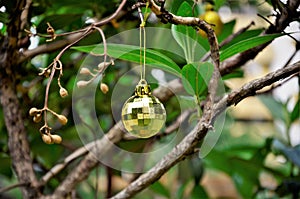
245	174
292	153
4	17
246	45
180	191
198	192
187	37
245	35
219	161
174	6
234	74
45	154
295	114
218	4
5	166
185	10
58	21
195	77
227	30
276	108
244	186
132	53
159	188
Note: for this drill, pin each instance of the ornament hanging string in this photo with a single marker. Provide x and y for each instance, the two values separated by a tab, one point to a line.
143	41
143	115
143	49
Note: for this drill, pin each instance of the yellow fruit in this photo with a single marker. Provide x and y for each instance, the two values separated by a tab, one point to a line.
56	139
102	65
85	71
82	84
63	92
213	18
104	88
47	139
37	118
47	73
62	119
33	111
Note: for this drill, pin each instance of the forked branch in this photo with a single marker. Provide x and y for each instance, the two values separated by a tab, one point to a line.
187	145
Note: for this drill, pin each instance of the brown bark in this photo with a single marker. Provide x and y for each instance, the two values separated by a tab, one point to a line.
197	134
17	140
187	145
283	19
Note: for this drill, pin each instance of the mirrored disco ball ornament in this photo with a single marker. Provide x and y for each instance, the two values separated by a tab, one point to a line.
143	115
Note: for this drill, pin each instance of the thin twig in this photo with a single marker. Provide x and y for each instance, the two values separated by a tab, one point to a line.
85	149
184	148
84	165
277	84
13	186
95	24
72	36
228	40
233	98
166	16
55	65
188	144
282	21
265	19
291	58
253	87
109	184
169	90
24	14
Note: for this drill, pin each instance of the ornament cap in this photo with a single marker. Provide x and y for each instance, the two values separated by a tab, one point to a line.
142	88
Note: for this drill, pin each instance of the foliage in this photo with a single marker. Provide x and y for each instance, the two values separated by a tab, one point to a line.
243	158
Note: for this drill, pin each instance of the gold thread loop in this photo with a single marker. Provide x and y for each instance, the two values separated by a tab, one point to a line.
143	40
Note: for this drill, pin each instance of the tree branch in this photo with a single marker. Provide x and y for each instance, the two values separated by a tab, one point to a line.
86	165
186	146
13	186
85	149
48	47
253	87
166	16
114	135
89	162
182	149
228	40
17	140
198	133
54	46
282	21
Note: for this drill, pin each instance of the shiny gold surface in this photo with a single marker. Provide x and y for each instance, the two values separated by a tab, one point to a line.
143	115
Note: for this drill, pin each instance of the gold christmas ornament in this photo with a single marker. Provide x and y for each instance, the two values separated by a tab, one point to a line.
143	115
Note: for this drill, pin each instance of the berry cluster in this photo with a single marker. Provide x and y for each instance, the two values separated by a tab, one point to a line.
45	130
